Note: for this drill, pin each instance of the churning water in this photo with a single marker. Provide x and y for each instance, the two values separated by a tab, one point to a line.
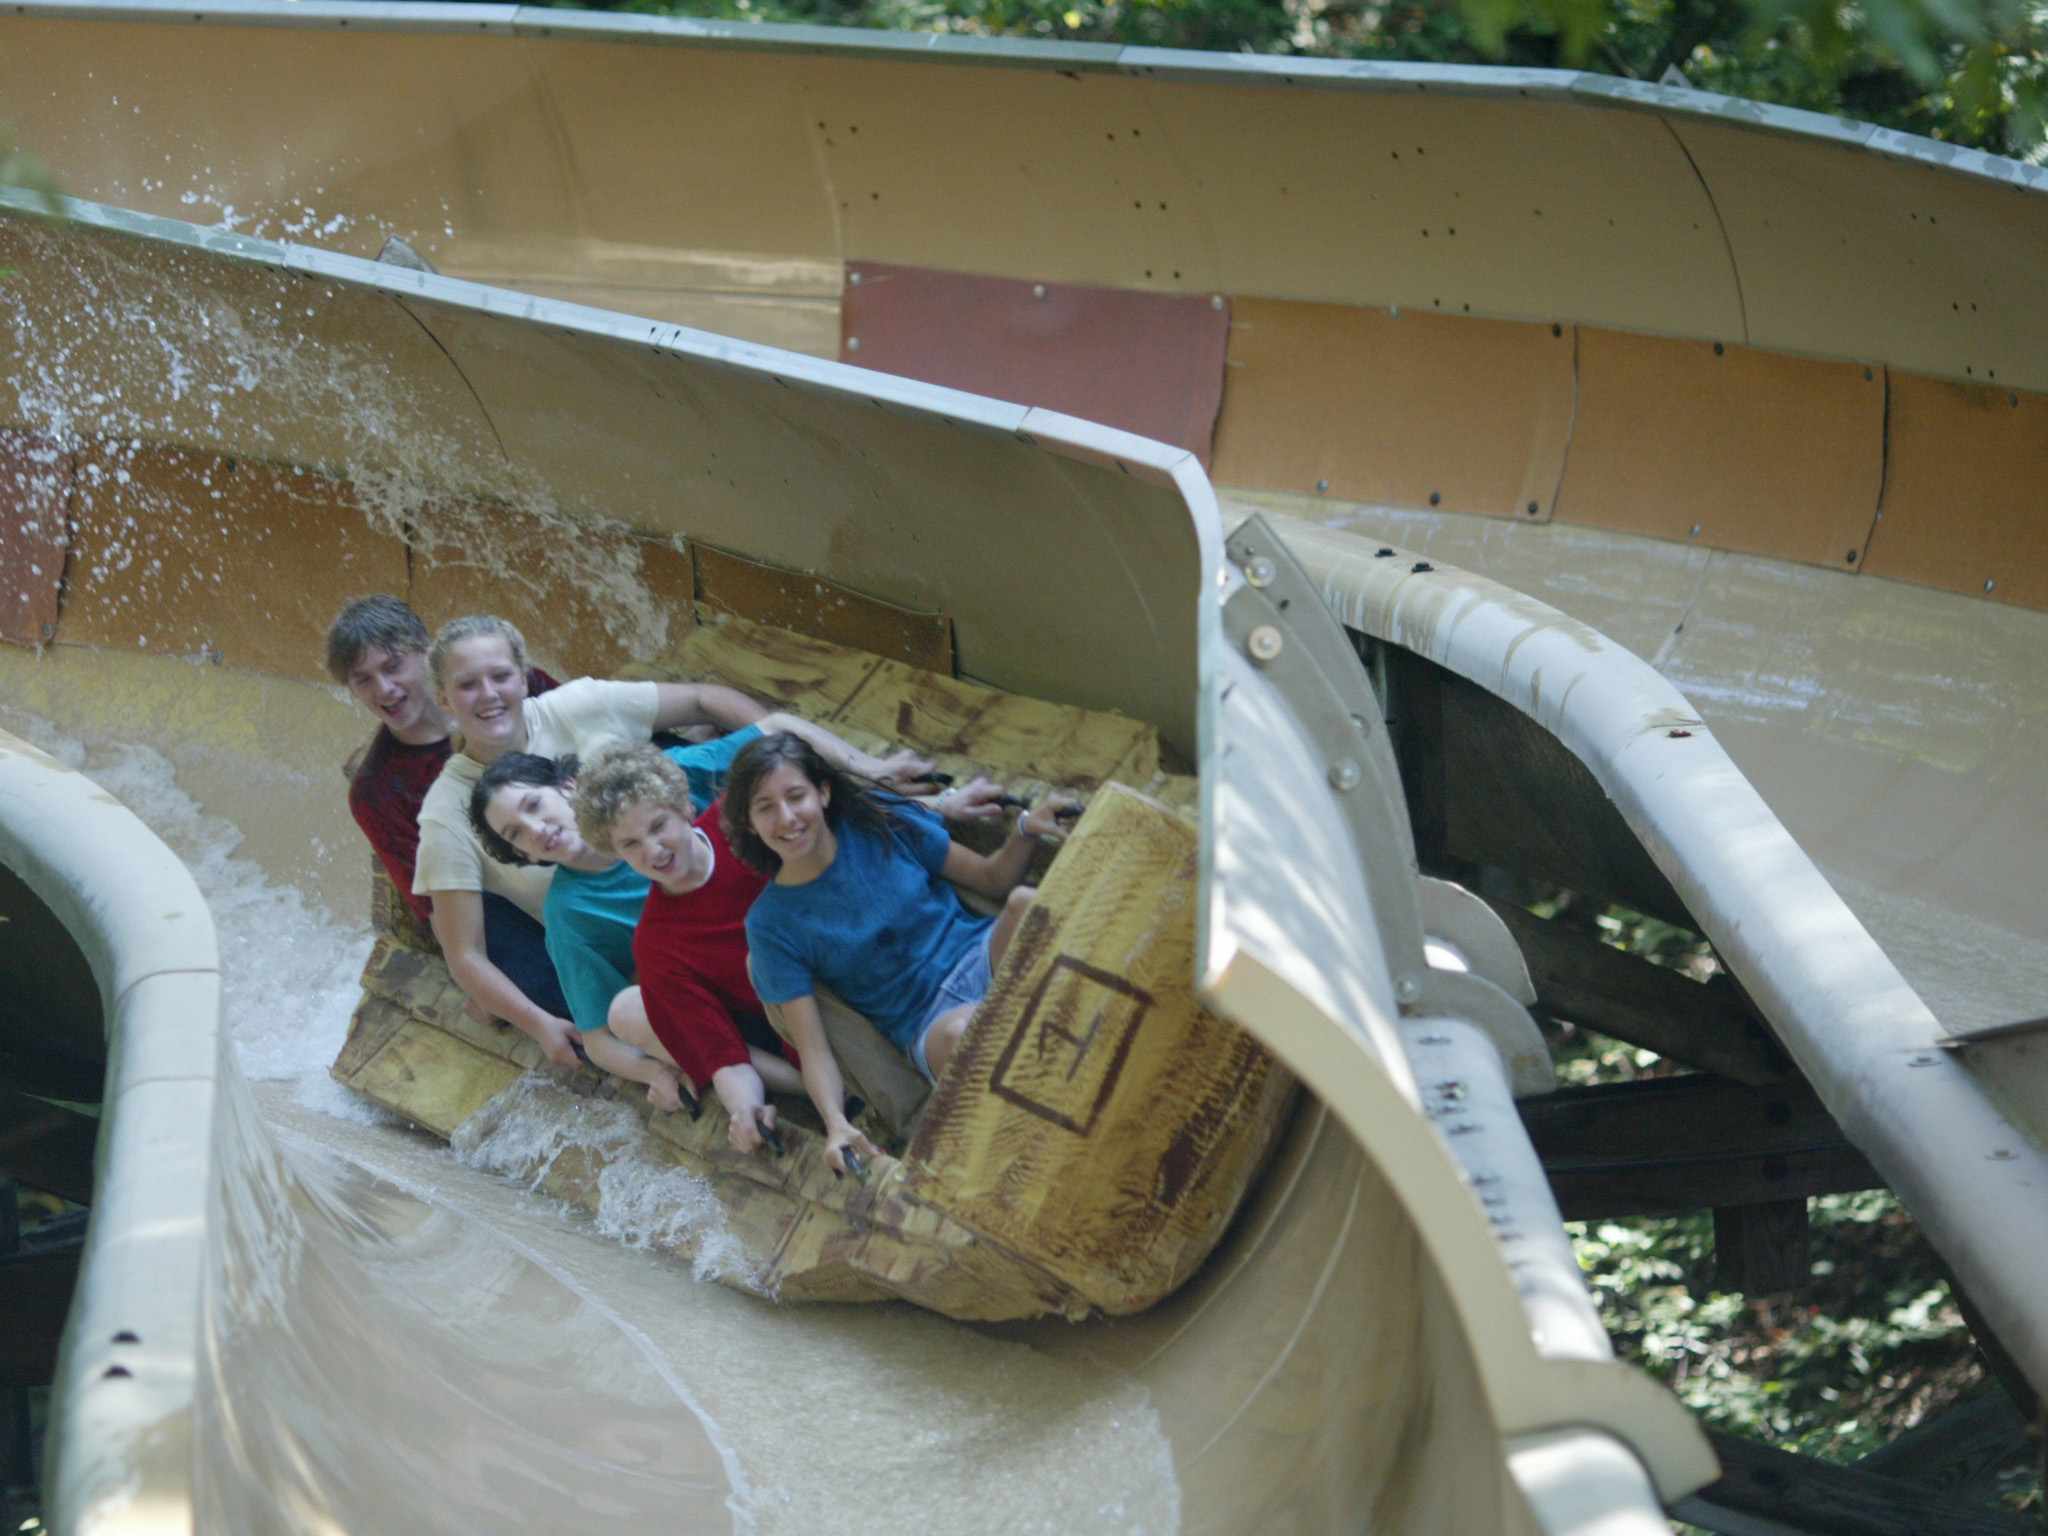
912	1421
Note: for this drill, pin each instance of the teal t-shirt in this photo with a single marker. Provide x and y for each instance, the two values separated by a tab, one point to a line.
590	917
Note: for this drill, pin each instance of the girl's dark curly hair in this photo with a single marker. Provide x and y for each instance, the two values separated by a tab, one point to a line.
515	768
853	802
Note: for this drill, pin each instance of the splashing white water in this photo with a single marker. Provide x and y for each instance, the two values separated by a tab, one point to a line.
118	351
644	1201
290	970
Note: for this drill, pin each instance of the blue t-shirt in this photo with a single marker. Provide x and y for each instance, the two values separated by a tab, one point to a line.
879	926
590	917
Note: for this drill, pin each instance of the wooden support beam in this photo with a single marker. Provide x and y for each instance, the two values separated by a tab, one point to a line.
1762	1489
1961	1452
1666	1145
47	1147
1707	1025
1762	1250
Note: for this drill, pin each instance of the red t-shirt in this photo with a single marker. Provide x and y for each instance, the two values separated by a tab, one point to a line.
691	955
385	796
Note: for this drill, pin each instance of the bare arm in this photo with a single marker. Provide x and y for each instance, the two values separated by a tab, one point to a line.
608	1051
901	769
681	704
821	1077
458	920
995	875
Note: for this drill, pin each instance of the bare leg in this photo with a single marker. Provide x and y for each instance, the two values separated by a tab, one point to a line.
739	1090
943	1037
1015	905
627	1019
776	1072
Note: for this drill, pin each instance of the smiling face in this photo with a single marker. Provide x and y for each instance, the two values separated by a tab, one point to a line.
660	843
483	691
536	819
787	812
392	685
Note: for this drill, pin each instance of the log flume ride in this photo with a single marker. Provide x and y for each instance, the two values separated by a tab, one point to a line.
1360	480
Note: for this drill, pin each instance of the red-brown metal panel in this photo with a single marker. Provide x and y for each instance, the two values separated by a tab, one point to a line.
1150	363
35	484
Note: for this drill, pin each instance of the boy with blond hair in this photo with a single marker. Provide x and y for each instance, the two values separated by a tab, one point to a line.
695	1007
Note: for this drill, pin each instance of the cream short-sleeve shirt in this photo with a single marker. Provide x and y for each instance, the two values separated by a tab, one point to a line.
577	717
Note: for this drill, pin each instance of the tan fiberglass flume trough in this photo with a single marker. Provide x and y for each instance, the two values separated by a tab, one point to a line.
1861	290
1407	1374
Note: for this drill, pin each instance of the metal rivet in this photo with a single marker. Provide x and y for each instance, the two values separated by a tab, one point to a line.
1533	509
127	1336
1695	531
2003	1155
1265	643
1434	498
1410	989
1717	349
1216	301
49	630
1322	485
854	278
1259	572
853	343
1989	585
1852	557
1364	725
1038	290
1345	774
1926	1059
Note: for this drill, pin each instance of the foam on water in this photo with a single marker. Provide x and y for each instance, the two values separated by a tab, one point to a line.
290	970
643	1201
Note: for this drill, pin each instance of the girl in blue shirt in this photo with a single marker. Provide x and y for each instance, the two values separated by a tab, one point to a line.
521	812
860	899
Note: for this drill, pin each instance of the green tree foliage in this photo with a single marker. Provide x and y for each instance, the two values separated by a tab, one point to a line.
1972	72
1873	1346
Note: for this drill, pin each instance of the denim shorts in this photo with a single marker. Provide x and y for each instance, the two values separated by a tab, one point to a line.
966	983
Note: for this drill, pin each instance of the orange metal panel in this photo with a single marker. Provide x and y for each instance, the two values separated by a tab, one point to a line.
35	481
1738	448
1150	363
823	609
1412	409
1964	505
588	600
220	559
